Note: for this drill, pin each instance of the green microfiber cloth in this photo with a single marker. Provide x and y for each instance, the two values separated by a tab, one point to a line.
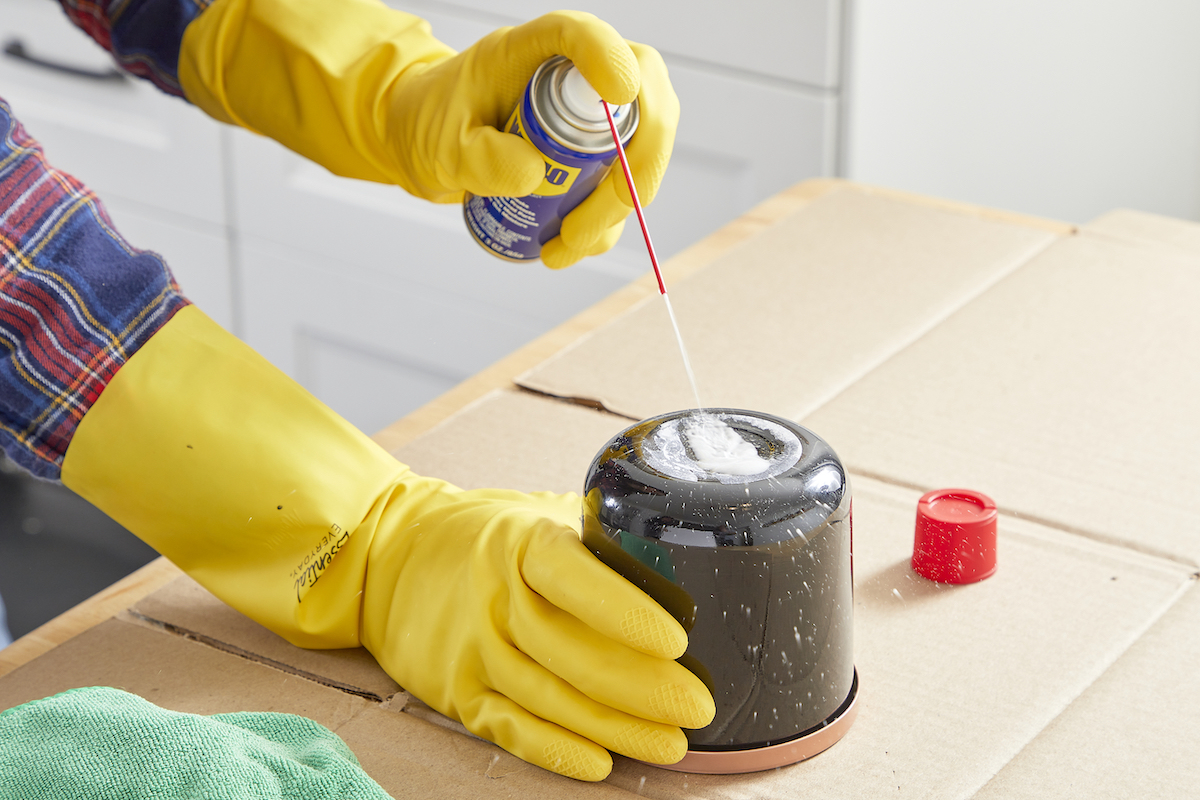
105	744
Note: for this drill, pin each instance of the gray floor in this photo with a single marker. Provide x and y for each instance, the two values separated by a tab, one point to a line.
56	549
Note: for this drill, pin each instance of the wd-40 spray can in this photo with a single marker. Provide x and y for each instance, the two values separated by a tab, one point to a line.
560	114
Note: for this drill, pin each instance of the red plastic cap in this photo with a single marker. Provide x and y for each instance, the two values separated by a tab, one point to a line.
956	536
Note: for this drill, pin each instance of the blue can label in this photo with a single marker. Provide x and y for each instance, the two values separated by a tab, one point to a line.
515	228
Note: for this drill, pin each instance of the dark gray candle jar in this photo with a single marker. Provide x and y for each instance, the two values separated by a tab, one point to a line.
754	559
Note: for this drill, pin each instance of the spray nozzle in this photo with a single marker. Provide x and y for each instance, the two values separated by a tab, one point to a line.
580	98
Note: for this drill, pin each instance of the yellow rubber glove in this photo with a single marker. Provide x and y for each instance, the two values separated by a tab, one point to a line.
367	92
484	604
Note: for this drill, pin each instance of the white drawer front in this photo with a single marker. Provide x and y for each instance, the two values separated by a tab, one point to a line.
122	138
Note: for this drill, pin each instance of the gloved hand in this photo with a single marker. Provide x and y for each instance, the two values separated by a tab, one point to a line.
367	92
98	742
484	604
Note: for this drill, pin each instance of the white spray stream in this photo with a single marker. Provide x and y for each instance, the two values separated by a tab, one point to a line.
662	287
687	364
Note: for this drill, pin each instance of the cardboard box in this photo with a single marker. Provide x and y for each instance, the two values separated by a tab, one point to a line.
930	345
186	608
1134	733
1148	229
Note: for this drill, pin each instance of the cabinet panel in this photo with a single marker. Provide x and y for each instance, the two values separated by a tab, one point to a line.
371	389
381	229
122	138
794	40
372	345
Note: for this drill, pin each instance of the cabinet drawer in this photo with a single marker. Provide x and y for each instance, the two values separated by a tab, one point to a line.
794	40
122	138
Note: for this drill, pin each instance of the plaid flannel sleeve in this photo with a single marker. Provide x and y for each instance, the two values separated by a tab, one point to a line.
76	301
143	35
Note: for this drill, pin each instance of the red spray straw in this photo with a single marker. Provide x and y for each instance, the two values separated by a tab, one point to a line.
637	204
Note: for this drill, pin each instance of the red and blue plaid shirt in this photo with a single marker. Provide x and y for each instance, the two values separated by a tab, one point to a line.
76	299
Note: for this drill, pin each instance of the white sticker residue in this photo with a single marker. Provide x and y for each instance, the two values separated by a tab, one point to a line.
721	447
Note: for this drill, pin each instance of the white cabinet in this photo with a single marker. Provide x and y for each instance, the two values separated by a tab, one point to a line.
794	40
377	301
123	138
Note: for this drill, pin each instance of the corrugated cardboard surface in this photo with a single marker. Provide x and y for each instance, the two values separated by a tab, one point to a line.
406	755
956	681
174	673
1068	392
413	758
786	320
1055	373
1135	733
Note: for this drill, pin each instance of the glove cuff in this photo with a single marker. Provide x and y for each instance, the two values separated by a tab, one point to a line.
250	484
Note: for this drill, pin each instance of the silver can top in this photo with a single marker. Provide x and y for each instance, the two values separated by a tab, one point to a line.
560	104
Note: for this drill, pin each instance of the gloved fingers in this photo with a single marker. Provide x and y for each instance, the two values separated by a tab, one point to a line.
610	673
551	699
493	163
558	567
604	58
531	738
557	255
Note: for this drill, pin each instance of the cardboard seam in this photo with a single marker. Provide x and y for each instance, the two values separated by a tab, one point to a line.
1189	584
1083	533
257	658
526	379
932	324
595	405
